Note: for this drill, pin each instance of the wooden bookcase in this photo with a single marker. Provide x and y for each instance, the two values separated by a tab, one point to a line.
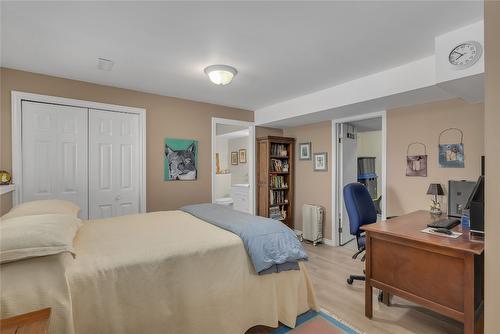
275	178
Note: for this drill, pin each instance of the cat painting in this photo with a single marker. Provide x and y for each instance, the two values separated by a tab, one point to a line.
180	159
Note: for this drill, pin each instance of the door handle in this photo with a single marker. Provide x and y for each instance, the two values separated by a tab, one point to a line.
118	197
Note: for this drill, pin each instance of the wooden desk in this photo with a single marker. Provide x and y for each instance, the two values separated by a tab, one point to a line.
36	322
440	273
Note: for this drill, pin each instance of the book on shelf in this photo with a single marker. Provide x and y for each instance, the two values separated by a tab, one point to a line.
278	182
277	197
278	165
277	212
279	150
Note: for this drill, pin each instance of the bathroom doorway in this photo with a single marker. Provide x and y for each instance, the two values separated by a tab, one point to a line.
233	166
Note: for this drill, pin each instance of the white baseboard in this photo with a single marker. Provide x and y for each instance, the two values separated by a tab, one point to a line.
329	242
325	241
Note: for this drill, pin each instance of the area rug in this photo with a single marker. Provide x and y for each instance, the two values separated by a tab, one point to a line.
314	322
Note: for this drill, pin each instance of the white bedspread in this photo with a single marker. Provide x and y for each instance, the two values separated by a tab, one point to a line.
169	272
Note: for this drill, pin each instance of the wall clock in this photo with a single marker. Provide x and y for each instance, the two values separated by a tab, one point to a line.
465	54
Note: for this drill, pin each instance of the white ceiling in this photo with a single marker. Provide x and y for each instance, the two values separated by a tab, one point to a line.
281	49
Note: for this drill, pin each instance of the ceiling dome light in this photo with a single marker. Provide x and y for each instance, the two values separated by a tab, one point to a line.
220	74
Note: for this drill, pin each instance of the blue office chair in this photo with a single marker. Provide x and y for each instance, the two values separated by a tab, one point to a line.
361	211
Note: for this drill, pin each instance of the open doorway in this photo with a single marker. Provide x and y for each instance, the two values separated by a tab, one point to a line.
359	152
233	167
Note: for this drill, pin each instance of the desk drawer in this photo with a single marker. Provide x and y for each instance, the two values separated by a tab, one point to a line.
428	274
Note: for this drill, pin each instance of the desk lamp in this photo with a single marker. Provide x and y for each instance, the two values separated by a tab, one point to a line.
436	190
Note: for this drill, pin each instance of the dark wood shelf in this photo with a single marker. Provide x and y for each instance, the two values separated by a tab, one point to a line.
278	204
266	146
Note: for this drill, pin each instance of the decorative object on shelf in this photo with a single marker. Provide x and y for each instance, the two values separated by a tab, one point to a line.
5	177
436	190
243	156
234	158
416	165
305	151
285	166
181	159
451	155
279	150
320	162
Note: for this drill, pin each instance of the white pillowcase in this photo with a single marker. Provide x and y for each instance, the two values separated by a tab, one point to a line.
42	207
37	235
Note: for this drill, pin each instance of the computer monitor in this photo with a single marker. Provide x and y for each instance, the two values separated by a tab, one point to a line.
458	195
475	205
477	193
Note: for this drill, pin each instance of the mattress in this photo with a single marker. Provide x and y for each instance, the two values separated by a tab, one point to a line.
164	272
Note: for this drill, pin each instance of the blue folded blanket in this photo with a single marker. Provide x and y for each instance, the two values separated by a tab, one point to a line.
271	245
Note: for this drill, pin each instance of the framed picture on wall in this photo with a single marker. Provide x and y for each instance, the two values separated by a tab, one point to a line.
243	156
234	158
320	162
181	159
305	151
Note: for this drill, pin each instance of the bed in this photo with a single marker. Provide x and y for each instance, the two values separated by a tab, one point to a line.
164	272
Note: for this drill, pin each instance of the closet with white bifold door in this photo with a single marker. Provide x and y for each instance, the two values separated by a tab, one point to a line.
89	156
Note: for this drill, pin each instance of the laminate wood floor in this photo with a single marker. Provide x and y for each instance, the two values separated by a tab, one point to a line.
330	266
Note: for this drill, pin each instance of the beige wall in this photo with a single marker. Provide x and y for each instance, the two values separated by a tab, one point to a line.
404	125
261	131
423	123
313	187
492	147
166	117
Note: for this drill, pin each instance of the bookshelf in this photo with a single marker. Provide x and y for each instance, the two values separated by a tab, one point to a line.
275	178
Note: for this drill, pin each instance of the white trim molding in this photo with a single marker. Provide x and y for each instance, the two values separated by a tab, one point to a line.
6	188
16	108
335	175
250	156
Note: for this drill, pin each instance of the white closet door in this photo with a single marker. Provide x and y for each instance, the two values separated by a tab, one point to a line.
54	153
114	163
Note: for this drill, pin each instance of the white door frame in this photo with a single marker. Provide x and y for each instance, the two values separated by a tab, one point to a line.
335	175
250	155
17	163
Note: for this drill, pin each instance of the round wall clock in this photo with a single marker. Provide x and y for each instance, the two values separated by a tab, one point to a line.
465	54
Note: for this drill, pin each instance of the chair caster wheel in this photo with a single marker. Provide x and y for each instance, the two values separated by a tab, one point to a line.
350	281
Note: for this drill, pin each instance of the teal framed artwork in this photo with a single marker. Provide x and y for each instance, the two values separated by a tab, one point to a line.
181	159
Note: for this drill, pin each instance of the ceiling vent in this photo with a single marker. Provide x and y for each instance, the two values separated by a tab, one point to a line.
105	64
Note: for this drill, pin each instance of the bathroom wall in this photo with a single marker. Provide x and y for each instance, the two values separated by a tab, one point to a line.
370	145
239	172
221	149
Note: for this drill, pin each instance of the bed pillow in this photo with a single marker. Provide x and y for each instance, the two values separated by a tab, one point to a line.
37	235
42	207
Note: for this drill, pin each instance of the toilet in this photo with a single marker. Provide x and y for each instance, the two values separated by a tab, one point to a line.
224	201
